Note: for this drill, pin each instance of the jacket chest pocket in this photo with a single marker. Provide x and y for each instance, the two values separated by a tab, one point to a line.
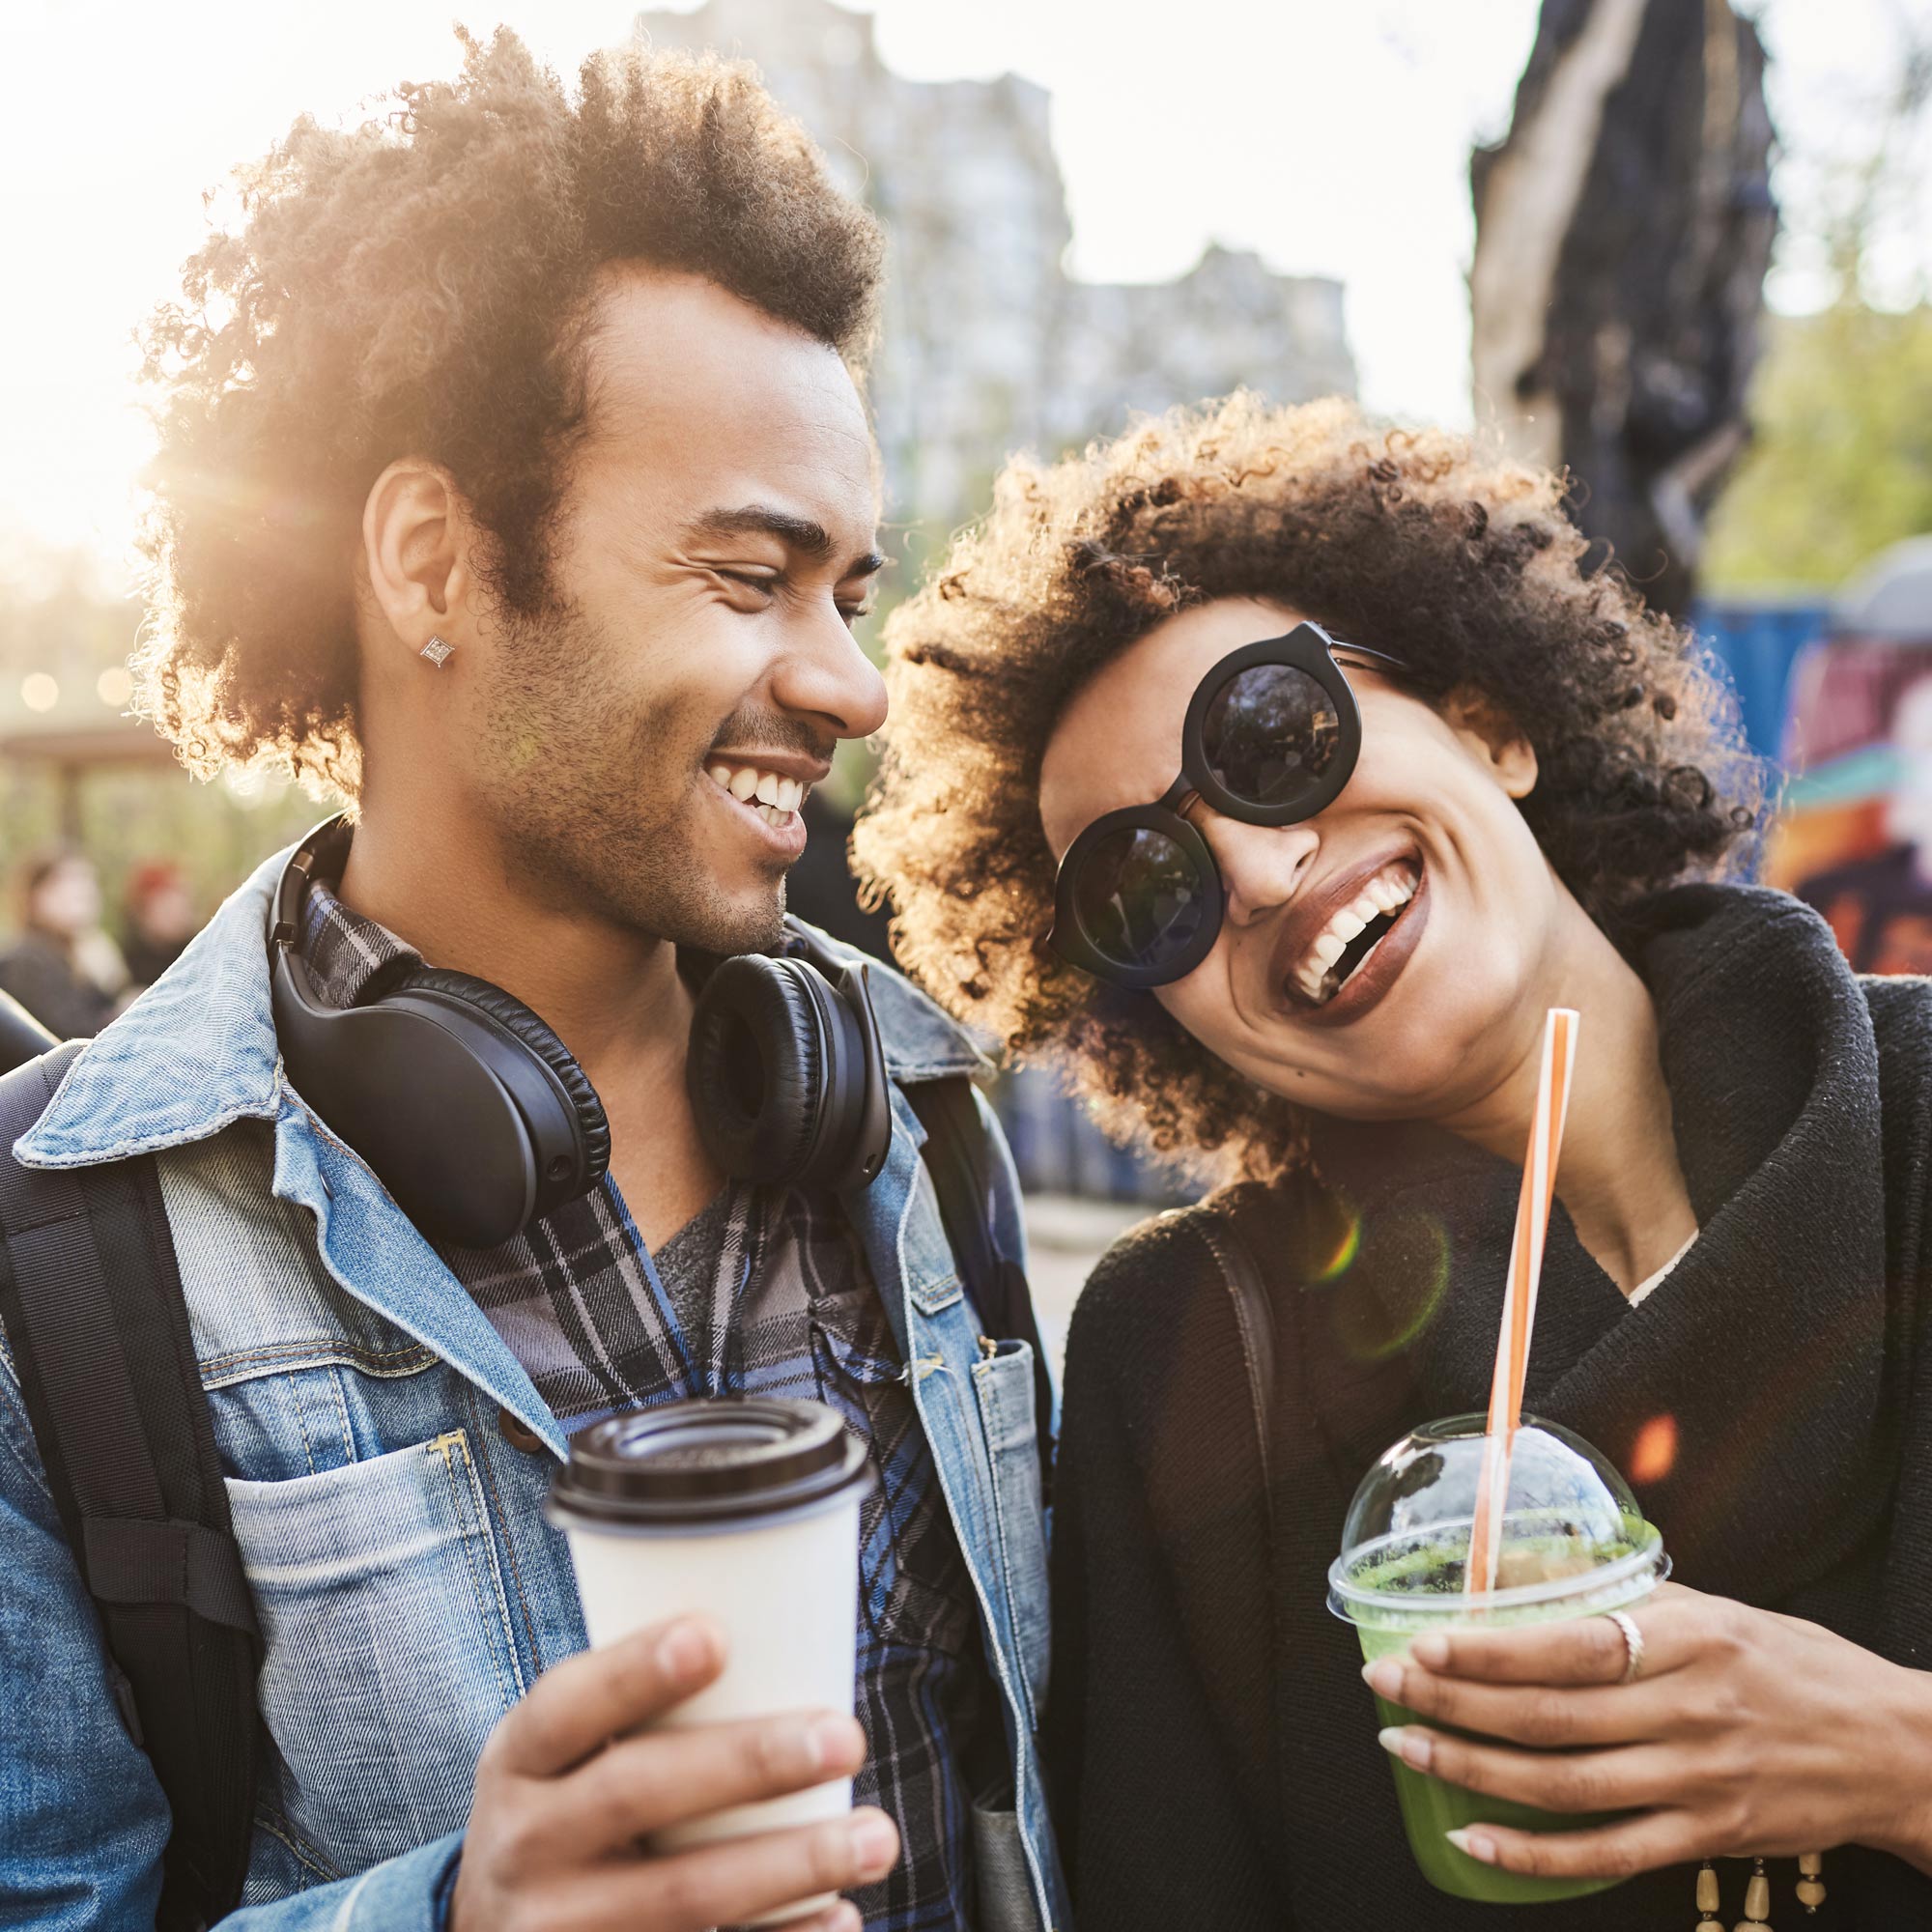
388	1654
1003	1382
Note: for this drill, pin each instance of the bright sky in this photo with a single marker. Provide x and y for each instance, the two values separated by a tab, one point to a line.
1333	139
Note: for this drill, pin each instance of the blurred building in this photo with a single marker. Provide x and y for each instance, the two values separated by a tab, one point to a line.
988	344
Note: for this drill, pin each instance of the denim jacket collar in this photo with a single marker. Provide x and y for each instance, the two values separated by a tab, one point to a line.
197	1051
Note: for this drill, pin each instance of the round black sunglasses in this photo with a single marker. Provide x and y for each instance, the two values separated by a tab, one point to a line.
1271	735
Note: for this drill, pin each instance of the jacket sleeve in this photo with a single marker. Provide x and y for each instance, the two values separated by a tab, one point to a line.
1154	1822
83	1821
404	1895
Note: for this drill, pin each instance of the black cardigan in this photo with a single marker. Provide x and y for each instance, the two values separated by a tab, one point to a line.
1212	1743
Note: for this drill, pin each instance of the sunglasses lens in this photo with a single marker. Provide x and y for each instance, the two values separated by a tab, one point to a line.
1139	896
1270	734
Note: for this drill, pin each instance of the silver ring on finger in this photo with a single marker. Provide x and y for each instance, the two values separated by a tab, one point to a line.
1632	1645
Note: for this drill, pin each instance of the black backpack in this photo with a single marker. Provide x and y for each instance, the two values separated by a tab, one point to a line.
91	1305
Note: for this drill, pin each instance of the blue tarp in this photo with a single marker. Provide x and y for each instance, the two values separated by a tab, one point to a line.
1757	644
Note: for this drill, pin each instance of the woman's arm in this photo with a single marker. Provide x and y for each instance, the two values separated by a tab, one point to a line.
1746	1733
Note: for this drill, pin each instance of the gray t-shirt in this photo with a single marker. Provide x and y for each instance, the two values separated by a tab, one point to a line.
688	1262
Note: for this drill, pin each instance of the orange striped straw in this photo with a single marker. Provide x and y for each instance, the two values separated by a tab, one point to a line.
1525	1274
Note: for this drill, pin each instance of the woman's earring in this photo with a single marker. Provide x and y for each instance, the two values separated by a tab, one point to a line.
437	652
1757	1899
1810	1888
1708	1900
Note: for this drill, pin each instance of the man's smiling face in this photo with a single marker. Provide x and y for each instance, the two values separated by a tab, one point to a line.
643	746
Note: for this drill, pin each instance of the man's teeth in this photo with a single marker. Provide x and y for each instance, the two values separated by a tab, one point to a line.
772	795
1383	896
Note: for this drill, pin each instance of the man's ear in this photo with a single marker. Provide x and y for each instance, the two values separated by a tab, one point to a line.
1491	735
416	539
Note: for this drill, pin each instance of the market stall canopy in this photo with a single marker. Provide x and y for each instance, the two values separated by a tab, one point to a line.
128	741
1889	599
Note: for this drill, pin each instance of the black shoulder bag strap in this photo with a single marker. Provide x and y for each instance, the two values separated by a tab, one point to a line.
1238	1686
1254	1318
959	1155
91	1304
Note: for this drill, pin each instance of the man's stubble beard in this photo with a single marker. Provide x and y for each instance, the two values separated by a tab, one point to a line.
567	776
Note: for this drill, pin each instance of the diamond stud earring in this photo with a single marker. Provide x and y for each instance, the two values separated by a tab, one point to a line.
437	652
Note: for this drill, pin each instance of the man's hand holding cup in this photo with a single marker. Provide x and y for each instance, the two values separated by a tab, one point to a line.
572	1784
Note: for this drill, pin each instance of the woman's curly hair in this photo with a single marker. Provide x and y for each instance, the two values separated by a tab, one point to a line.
1414	543
419	286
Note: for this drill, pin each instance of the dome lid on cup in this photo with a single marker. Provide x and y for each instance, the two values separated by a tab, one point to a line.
1568	1515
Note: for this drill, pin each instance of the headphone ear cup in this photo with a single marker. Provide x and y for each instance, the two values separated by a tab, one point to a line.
755	1071
593	1129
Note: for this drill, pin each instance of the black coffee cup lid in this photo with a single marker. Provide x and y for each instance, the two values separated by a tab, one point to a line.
709	1463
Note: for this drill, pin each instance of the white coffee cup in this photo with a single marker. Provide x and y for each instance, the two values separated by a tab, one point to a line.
746	1510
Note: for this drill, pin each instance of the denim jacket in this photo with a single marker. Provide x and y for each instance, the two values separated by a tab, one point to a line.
369	1419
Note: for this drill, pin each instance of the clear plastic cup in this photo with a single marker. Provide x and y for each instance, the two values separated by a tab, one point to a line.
1574	1544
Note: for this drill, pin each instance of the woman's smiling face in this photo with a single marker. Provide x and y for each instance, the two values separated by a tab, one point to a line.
1427	830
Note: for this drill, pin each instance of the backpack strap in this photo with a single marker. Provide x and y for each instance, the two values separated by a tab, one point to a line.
959	1155
91	1299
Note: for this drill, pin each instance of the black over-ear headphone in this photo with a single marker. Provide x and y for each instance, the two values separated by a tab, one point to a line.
476	1119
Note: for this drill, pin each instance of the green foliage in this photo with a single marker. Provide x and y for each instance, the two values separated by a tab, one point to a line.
1841	465
1842	461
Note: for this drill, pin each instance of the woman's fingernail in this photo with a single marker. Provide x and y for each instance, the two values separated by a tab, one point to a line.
1384	1678
1471	1843
1415	1747
874	1844
1431	1652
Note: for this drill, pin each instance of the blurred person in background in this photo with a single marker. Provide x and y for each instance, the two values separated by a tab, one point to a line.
64	968
820	887
1300	917
160	920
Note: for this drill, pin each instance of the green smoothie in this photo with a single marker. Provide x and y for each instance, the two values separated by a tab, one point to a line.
1574	1543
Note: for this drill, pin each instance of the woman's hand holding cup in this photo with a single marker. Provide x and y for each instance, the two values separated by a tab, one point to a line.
1746	1734
570	1784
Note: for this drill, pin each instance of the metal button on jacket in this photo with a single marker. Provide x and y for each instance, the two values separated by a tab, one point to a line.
518	1432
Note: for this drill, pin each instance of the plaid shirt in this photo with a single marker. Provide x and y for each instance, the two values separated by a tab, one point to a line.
773	1297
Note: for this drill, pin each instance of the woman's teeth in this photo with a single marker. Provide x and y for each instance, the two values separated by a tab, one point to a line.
1322	970
773	796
